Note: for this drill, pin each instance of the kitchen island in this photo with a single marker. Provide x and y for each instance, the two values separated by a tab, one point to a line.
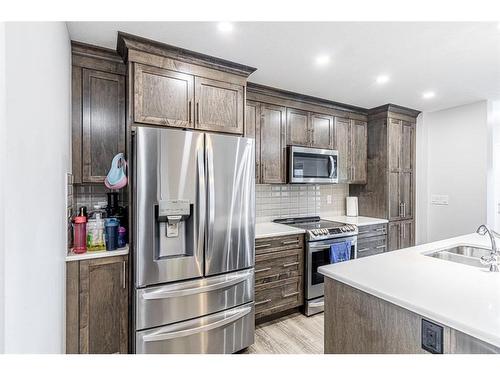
408	302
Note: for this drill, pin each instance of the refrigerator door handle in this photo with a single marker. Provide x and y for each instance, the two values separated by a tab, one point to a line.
202	209
159	336
161	294
210	195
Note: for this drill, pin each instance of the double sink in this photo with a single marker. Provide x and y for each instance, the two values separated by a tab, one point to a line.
468	255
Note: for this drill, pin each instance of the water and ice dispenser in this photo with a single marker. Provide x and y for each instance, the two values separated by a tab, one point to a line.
174	226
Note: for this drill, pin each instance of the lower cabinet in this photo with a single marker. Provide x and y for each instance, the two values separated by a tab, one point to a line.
401	234
97	306
279	272
372	240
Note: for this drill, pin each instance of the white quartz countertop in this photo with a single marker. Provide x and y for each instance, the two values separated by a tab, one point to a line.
462	297
265	230
356	220
97	254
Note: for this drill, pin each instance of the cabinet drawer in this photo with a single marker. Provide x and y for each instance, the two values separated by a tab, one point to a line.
268	245
278	296
371	231
372	246
278	265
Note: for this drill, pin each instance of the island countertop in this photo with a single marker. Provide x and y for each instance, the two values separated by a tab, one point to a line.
459	296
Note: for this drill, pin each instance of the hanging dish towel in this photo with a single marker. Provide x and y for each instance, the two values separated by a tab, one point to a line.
117	178
340	252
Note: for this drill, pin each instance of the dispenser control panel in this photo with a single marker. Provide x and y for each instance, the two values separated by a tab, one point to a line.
173	211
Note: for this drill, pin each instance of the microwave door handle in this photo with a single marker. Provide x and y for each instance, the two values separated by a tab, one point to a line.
332	166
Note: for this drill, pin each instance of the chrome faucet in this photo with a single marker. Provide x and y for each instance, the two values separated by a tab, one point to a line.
493	259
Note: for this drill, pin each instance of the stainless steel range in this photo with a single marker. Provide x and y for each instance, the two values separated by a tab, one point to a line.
320	235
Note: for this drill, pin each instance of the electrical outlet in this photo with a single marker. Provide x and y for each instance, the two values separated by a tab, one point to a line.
329	199
440	200
432	337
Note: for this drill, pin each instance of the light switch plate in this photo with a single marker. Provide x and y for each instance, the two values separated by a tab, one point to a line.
440	200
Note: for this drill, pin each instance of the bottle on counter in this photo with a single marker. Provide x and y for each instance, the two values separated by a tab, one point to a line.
111	233
122	237
95	230
80	234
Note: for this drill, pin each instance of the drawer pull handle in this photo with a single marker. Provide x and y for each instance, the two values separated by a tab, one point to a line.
262	302
290	264
380	247
290	294
263	270
289	242
262	246
364	249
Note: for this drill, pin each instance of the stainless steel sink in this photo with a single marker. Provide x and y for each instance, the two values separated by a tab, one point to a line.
468	255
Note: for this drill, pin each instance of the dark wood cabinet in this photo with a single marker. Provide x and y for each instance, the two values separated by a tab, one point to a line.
390	189
252	130
272	144
103	120
97	306
98	112
279	269
372	240
297	127
163	97
219	106
350	140
358	151
321	130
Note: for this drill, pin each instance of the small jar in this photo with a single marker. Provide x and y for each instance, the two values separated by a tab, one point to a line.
122	235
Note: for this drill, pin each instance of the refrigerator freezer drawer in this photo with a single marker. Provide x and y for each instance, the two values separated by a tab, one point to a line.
221	333
172	303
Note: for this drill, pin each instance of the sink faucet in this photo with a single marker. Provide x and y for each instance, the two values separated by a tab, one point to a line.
493	259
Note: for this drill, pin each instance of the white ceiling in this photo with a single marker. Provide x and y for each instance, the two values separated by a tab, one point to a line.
460	62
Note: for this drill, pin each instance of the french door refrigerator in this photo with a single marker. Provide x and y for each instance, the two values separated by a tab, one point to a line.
194	224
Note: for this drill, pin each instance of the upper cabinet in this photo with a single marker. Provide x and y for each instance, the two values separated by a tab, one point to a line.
163	97
309	129
351	142
252	130
219	106
180	88
98	111
272	144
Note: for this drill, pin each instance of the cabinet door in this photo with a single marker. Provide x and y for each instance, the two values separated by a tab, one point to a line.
163	97
321	130
297	127
394	128
272	144
407	146
219	106
394	196
252	130
406	234
103	122
406	194
394	236
359	149
342	145
104	305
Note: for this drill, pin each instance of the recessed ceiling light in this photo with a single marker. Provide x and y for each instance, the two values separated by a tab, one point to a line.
322	59
381	79
428	94
225	27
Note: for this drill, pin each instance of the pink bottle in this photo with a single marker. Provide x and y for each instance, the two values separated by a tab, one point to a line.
80	235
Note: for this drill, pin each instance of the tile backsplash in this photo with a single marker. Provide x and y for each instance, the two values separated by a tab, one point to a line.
275	201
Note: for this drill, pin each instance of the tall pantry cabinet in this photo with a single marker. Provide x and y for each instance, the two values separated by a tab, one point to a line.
390	189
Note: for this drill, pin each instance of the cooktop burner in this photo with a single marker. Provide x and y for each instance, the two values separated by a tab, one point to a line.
319	229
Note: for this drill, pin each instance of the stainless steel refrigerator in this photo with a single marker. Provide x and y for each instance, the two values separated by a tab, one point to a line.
193	241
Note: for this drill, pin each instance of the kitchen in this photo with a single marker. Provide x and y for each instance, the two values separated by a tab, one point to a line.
210	209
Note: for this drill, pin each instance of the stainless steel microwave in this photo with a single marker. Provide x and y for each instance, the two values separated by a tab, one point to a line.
312	165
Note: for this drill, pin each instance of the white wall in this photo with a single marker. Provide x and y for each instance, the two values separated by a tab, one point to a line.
493	211
453	157
2	177
38	69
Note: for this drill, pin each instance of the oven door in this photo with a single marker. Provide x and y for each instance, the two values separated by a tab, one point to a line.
312	165
318	254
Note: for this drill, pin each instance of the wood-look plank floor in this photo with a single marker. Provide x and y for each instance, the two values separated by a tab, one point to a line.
291	334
